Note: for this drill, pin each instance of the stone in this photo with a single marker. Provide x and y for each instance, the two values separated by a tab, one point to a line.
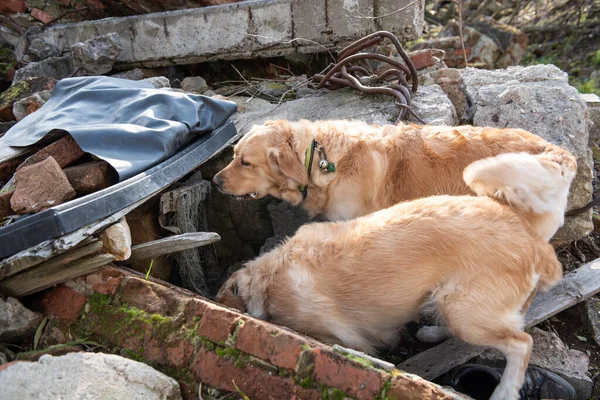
450	80
273	90
137	74
16	321
422	58
337	104
593	103
90	177
433	106
39	50
5	126
511	41
21	90
53	67
87	375
29	105
40	186
41	15
592	307
540	100
159	82
65	151
551	353
195	84
116	240
98	55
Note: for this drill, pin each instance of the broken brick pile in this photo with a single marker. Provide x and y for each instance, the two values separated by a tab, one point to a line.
47	178
196	341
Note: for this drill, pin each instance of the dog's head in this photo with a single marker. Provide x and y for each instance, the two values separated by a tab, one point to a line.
266	161
229	294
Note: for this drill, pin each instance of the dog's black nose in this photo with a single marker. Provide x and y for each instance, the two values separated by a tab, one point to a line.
217	181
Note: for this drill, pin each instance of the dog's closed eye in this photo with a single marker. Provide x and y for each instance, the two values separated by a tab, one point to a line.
235	290
245	163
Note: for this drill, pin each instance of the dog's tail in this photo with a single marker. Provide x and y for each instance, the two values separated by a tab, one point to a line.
537	186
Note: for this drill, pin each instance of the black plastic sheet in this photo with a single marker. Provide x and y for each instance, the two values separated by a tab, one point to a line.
130	124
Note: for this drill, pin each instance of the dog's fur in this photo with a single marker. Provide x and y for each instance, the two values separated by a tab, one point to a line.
472	261
379	166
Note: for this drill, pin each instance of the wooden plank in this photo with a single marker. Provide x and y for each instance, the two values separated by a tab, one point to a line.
575	287
171	244
43	251
51	273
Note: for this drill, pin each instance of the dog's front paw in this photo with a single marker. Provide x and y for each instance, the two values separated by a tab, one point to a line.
432	334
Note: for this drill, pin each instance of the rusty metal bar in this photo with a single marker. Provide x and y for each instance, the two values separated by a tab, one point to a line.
395	80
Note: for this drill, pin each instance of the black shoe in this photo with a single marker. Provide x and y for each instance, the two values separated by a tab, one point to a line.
479	382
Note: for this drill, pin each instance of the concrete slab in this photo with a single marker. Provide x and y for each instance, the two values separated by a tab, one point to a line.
249	29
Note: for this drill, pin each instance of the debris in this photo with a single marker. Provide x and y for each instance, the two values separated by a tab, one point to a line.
540	100
28	105
90	177
433	106
195	84
16	321
65	152
172	244
53	67
98	55
53	377
394	80
549	352
593	103
422	59
592	307
576	286
116	240
5	209
21	90
40	186
39	50
159	82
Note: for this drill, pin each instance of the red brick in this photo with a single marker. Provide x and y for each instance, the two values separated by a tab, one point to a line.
5	209
8	168
65	151
152	297
422	59
335	371
217	323
63	302
175	353
271	343
40	186
194	310
13	6
90	177
411	387
41	15
105	281
252	380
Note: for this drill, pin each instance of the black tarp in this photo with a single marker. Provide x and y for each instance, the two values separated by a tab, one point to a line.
130	124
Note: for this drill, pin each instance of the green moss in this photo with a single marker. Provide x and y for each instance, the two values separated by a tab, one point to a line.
360	360
207	343
306	347
134	355
13	92
383	392
239	363
306	382
230	352
332	394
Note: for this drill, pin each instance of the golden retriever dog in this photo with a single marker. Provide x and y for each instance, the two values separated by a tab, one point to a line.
379	166
473	262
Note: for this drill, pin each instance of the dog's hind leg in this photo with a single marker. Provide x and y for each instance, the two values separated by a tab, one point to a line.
482	317
432	334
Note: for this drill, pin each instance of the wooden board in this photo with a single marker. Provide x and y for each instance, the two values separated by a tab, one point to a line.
51	248
575	287
51	273
171	244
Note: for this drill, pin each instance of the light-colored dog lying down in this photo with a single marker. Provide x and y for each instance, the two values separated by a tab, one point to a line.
357	168
472	262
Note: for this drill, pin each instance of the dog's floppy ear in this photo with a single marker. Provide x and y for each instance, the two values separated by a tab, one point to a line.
284	158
